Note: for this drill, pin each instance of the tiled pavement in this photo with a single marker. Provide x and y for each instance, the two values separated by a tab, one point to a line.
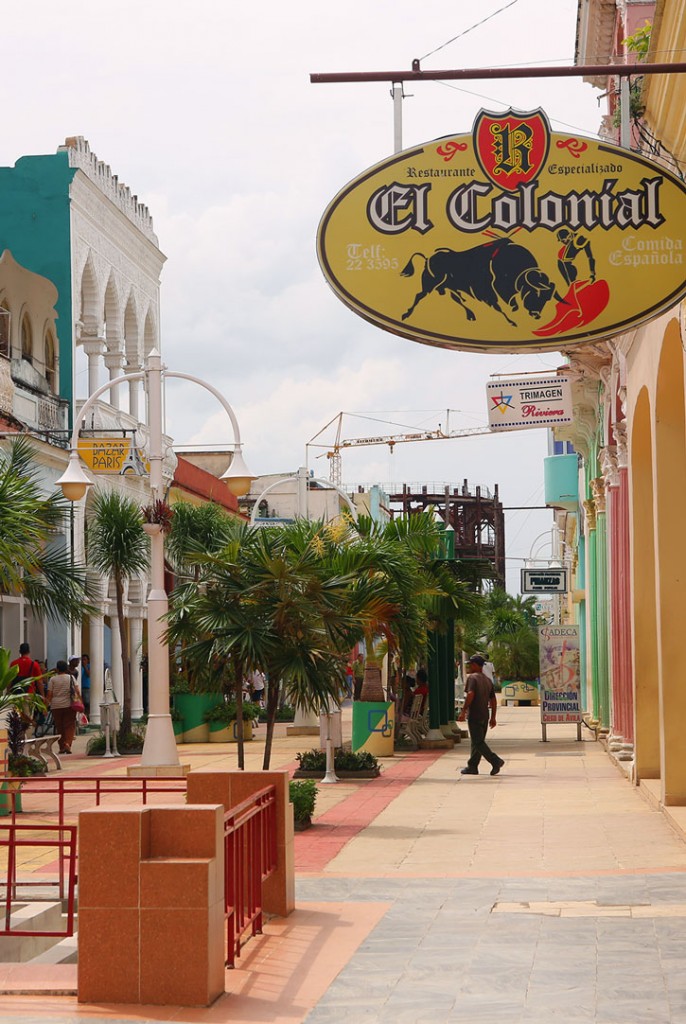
553	892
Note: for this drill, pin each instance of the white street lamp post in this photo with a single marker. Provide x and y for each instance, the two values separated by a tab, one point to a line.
159	750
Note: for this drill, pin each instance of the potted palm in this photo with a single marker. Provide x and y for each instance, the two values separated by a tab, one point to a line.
157	517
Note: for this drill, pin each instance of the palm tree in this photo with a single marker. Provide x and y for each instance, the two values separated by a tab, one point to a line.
31	562
195	531
292	600
420	591
273	599
118	547
511	633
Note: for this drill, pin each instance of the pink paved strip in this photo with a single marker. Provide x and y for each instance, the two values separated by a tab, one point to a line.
330	833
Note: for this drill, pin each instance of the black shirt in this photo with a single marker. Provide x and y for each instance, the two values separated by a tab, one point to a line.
481	686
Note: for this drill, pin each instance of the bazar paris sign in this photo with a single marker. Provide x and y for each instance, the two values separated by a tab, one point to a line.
510	238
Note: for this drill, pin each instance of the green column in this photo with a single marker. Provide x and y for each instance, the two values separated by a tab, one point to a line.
592	609
450	670
434	668
602	629
582	618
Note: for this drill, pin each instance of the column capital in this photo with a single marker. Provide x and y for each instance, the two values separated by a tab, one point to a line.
93	346
114	361
598	487
620	431
590	509
608	464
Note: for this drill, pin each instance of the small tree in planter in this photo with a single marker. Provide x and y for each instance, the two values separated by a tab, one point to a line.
157	514
221	720
18	763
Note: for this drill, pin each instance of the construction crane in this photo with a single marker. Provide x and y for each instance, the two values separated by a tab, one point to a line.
333	453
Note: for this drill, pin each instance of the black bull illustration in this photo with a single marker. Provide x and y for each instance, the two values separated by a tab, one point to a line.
499	270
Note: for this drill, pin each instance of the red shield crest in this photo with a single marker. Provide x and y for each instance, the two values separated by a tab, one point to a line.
511	148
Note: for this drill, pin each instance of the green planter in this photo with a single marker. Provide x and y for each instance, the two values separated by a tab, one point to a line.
520	692
178	727
373	727
192	707
220	732
6	799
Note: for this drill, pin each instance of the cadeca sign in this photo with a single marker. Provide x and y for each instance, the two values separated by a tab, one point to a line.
512	238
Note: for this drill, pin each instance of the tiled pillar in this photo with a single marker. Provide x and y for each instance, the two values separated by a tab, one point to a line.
151	908
230	789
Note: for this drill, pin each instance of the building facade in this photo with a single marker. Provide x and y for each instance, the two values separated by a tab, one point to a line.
623	537
79	305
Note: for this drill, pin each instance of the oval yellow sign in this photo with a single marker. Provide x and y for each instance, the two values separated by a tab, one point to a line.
512	238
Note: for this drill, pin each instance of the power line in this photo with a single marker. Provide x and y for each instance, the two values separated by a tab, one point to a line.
471	29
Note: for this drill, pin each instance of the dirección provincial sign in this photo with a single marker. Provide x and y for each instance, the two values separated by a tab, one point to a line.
511	238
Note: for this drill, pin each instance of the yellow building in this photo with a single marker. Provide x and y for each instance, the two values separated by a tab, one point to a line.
631	429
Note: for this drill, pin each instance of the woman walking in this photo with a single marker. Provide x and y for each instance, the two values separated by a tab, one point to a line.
62	690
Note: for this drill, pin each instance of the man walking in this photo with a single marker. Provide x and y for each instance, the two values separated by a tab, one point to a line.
479	700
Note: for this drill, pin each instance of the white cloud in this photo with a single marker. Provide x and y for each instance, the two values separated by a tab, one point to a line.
208	114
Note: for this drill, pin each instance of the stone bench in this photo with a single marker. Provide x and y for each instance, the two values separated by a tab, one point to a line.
43	747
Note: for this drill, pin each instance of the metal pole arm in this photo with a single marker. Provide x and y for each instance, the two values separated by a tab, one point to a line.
217	394
90	402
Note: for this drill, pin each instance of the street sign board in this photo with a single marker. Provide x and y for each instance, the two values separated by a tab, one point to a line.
560	674
509	237
113	455
529	402
544	581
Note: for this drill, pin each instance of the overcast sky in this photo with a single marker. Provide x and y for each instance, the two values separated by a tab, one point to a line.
206	111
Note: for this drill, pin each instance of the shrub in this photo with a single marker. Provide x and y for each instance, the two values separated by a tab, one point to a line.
344	760
284	714
303	794
226	712
349	761
22	765
127	743
179	684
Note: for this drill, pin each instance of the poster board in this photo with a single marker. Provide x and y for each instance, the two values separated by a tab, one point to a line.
559	655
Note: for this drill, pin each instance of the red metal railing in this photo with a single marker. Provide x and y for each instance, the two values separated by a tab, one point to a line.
62	838
249	858
70	796
250	847
92	785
